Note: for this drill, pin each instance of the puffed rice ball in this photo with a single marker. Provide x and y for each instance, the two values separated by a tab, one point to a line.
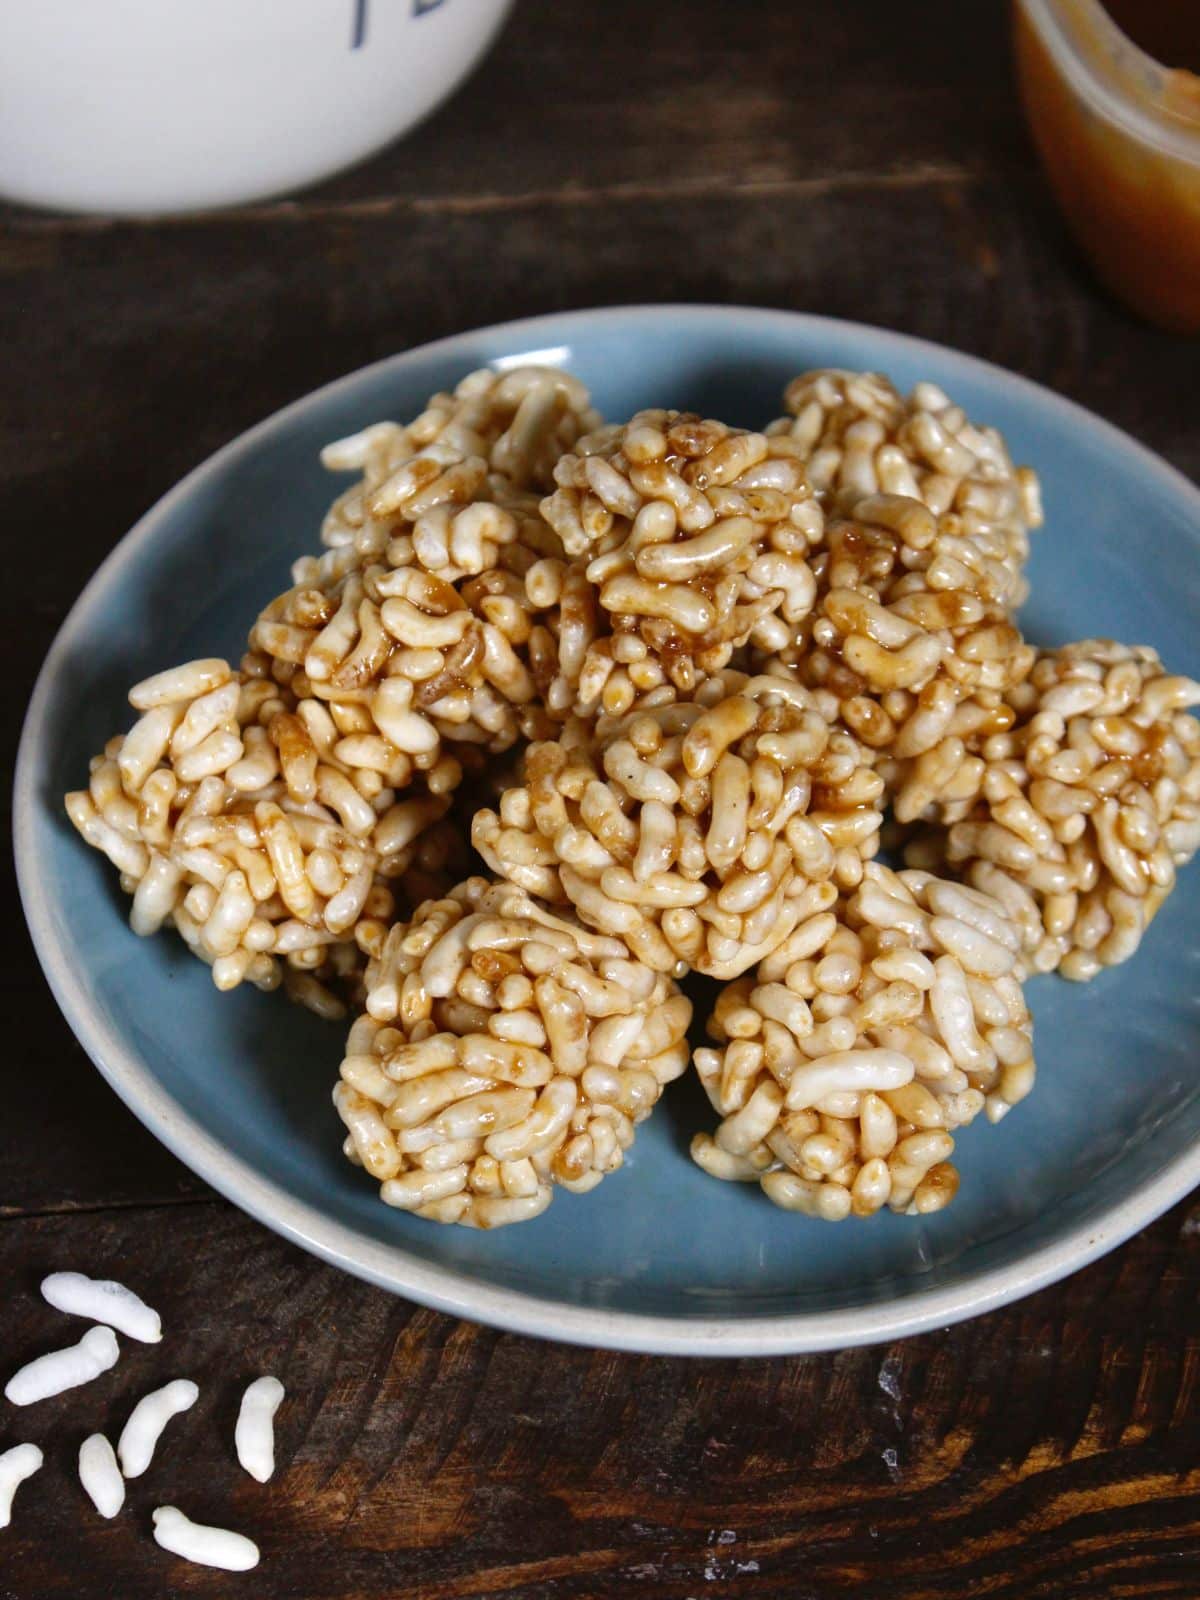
416	653
509	428
845	1062
505	1049
693	538
231	816
700	833
859	437
413	628
1080	816
909	632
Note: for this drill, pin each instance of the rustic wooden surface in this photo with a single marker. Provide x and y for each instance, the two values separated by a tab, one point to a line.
841	159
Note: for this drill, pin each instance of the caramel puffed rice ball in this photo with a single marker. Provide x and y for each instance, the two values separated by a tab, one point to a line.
418	651
409	671
909	633
414	627
1079	817
508	428
859	437
847	1060
694	538
233	819
505	1049
701	832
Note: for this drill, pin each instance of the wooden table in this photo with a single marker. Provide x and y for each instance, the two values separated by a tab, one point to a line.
865	161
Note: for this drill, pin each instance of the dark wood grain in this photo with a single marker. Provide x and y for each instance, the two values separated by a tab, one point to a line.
835	158
1050	1450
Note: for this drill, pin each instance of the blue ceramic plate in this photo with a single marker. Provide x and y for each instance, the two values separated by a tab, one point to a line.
660	1258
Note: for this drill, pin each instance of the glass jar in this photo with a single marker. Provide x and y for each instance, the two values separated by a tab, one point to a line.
1119	135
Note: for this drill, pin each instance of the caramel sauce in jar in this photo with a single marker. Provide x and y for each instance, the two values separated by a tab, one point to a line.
1119	135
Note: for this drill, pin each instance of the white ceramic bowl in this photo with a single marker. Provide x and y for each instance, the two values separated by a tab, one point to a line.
142	106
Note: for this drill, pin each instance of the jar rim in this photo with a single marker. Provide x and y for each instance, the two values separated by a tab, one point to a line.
1098	59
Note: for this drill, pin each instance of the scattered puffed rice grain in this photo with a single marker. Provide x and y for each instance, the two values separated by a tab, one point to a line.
17	1464
100	1475
147	1420
208	1547
254	1436
64	1369
103	1300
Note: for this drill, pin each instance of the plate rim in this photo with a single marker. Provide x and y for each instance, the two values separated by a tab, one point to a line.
450	1289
